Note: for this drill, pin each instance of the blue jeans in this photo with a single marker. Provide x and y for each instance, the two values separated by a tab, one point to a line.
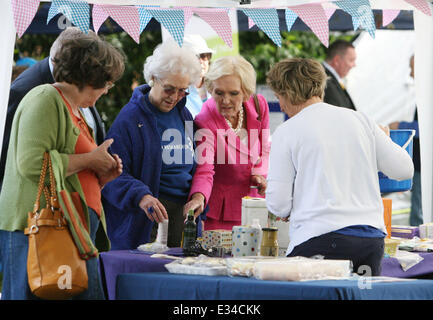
416	218
13	254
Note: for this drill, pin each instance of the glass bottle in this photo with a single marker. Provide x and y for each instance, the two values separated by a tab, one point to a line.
189	231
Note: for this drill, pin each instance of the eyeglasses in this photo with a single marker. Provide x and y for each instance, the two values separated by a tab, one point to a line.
205	56
170	90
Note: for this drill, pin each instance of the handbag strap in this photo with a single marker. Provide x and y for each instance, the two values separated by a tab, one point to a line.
50	194
257	105
41	185
54	201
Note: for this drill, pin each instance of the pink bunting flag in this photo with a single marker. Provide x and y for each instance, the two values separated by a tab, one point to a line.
330	12
219	20
126	16
421	5
314	16
187	14
388	16
99	17
24	12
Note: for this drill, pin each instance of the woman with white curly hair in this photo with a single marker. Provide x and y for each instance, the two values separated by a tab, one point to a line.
154	138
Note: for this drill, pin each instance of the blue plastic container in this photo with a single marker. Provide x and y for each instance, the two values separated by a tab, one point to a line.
403	138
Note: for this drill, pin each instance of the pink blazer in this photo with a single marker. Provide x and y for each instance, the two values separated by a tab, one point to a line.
225	164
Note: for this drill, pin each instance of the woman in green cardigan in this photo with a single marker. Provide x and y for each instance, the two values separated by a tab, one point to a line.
49	119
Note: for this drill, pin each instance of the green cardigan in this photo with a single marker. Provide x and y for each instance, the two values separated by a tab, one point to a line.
42	123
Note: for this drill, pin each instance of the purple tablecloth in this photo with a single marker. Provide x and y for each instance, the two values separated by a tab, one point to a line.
114	263
392	268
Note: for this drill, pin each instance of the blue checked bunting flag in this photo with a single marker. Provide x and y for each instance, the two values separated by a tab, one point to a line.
290	19
361	13
145	16
172	20
267	20
134	19
77	11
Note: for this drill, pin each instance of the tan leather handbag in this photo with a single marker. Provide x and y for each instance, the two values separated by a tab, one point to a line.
54	267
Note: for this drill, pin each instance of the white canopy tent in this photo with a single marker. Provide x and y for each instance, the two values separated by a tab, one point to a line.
423	65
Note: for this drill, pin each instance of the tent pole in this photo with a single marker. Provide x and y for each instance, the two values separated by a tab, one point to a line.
424	99
7	39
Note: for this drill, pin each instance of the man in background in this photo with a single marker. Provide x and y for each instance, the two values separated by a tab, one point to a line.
340	59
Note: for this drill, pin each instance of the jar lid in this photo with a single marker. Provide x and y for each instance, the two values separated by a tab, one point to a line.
273	229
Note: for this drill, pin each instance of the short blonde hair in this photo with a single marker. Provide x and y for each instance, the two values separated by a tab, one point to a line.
232	65
297	79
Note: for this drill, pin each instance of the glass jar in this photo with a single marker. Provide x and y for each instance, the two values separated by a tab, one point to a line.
269	245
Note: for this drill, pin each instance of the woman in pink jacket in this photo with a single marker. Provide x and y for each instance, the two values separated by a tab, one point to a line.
233	144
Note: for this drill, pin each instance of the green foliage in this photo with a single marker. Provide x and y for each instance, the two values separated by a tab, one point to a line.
256	47
135	56
261	51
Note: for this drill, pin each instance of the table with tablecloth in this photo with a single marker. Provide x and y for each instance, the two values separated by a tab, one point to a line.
115	263
169	286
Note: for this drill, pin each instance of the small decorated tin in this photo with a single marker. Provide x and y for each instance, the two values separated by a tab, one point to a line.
245	241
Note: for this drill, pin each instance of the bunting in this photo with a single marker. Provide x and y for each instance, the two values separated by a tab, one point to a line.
145	17
219	20
389	16
76	11
361	13
24	12
173	20
421	5
126	17
290	19
315	18
134	19
267	20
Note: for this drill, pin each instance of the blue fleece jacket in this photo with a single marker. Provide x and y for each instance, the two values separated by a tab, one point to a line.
137	141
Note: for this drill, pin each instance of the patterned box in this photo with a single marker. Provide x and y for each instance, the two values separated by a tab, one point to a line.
407	232
217	238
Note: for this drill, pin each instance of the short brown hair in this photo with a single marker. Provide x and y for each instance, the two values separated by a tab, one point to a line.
88	61
338	47
297	79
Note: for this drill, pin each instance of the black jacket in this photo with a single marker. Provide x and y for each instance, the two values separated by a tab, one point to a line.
34	76
335	94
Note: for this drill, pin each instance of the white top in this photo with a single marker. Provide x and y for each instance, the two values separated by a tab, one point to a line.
323	171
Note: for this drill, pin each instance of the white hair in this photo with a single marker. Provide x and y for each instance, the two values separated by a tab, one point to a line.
168	58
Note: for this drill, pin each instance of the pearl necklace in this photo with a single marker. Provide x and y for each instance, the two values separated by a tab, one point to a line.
240	121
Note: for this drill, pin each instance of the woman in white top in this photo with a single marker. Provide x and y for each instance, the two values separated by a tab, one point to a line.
323	171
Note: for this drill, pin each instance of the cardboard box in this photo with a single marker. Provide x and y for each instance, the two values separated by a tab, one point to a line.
426	231
255	208
406	232
217	238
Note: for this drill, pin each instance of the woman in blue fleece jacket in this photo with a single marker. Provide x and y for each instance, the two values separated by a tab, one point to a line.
153	136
